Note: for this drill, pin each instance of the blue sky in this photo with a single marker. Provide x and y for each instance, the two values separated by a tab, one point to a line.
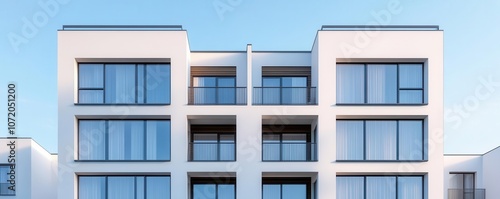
472	75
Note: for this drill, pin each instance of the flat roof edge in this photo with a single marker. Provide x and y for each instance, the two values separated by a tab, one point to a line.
120	27
380	27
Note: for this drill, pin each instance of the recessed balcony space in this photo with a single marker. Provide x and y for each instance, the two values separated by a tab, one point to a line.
216	86
212	140
289	139
285	86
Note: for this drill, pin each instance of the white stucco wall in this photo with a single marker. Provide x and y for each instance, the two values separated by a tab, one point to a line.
465	164
491	164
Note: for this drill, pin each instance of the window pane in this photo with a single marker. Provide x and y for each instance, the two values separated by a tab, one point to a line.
140	191
294	82
350	140
205	146
350	187
120	83
380	187
126	140
410	96
204	191
226	82
294	146
410	187
226	191
226	145
91	96
271	82
206	91
158	140
410	140
381	140
90	76
158	83
91	140
121	188
158	187
92	188
382	83
350	83
294	191
141	84
271	192
410	76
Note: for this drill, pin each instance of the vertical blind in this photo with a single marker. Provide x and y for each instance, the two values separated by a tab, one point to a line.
380	187
380	83
124	83
380	140
124	187
124	140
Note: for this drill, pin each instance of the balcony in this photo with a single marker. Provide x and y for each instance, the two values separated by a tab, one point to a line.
289	152
466	193
212	152
217	96
284	96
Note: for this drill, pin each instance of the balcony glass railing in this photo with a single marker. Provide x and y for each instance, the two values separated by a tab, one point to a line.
217	95
284	96
466	193
300	152
212	152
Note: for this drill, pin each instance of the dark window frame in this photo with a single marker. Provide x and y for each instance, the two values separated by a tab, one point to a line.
106	140
396	184
424	159
213	181
213	129
135	182
398	89
103	89
287	181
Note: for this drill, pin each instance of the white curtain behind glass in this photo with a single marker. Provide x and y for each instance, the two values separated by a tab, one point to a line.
92	188
381	140
350	140
382	83
91	140
380	187
350	83
120	83
350	187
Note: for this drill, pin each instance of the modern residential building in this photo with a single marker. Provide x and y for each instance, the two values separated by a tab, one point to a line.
26	170
141	115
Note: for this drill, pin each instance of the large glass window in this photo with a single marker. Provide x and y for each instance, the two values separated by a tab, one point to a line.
380	84
284	90
214	90
286	188
213	188
124	187
124	140
380	187
124	83
380	140
6	188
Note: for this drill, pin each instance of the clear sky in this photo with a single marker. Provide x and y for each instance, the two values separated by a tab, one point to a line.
471	29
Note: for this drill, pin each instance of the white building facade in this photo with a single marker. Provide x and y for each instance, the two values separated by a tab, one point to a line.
141	115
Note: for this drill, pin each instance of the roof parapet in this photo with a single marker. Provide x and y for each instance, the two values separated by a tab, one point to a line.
381	27
120	27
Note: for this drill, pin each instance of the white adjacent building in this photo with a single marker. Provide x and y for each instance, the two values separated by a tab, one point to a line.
27	170
141	115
